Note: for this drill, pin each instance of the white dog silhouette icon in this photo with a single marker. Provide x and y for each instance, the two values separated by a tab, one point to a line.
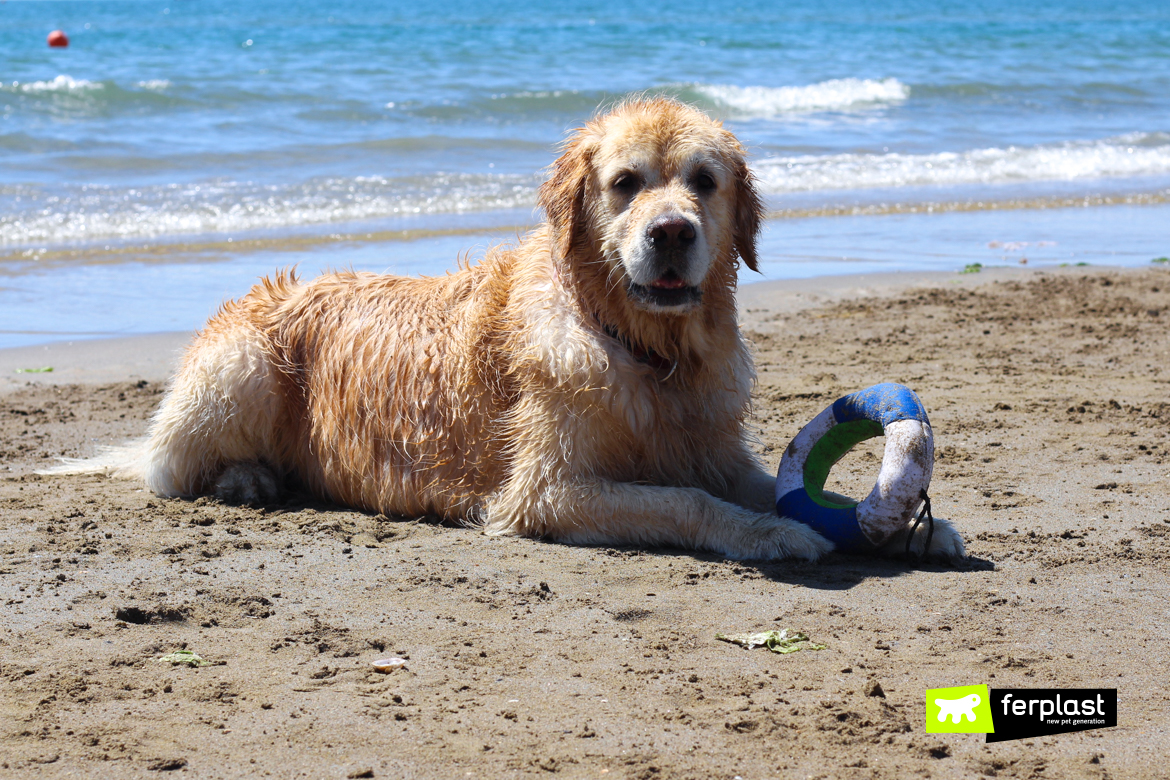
958	708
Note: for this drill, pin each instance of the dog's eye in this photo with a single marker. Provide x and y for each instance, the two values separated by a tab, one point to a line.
705	182
626	183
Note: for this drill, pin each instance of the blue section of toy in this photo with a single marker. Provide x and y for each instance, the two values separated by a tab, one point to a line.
883	404
839	526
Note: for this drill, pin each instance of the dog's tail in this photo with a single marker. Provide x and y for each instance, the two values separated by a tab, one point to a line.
123	461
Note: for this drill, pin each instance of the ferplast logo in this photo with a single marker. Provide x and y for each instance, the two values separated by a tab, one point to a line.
1018	713
962	710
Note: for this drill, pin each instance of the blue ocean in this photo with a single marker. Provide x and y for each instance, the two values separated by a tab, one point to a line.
175	151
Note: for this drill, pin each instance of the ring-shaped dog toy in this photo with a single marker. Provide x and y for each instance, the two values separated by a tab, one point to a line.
890	409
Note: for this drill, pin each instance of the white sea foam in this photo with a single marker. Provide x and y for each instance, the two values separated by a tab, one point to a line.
837	94
1134	154
91	212
62	83
553	93
65	84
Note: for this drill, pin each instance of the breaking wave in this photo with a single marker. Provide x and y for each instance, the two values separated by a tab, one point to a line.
31	215
834	95
1133	154
61	83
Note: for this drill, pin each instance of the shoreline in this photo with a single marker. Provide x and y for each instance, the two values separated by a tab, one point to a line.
177	292
301	238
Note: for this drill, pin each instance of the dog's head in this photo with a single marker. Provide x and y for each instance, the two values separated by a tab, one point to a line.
659	196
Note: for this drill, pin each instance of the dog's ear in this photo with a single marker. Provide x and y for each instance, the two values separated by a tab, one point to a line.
562	196
749	213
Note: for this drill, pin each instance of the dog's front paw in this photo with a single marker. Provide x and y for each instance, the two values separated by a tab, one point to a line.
945	542
770	538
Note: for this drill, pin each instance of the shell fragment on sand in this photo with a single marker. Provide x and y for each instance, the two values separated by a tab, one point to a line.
184	658
387	665
783	641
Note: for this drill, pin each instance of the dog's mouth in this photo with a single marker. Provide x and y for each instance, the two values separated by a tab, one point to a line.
667	291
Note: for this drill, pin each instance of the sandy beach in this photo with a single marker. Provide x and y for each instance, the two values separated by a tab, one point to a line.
1048	395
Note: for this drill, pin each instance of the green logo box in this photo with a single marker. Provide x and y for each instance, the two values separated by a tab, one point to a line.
962	710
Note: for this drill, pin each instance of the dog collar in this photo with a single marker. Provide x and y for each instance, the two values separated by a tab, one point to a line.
644	356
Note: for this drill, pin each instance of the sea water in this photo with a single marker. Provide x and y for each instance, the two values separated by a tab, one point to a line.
177	150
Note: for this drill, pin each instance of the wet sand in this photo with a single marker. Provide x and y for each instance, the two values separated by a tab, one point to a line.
1048	396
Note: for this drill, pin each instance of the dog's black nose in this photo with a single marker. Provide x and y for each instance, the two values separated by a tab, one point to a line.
672	231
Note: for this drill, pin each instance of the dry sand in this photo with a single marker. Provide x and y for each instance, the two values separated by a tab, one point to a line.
1048	395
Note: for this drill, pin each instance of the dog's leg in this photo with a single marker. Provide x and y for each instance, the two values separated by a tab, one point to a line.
605	512
750	486
219	420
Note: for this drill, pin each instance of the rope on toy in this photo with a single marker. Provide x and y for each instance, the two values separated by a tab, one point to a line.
924	512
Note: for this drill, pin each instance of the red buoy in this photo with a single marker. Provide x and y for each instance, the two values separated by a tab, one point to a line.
58	39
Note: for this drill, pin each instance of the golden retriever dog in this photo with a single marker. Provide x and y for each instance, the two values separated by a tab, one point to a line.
589	385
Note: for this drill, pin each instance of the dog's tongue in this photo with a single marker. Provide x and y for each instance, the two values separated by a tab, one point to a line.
673	283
